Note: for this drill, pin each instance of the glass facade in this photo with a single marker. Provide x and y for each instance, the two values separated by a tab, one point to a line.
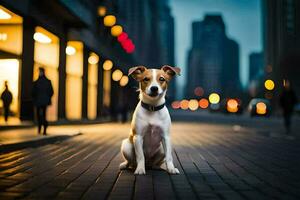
74	70
46	55
11	36
92	85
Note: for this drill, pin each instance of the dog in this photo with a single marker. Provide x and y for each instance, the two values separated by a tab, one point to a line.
149	142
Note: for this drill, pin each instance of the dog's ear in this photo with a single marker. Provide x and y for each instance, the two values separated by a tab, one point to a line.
171	71
137	72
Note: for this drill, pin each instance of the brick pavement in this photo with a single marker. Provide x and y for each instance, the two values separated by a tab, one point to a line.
215	163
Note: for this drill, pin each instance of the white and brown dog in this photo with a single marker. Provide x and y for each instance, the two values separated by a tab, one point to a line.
149	139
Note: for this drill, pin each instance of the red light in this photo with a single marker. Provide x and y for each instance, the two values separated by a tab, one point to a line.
122	37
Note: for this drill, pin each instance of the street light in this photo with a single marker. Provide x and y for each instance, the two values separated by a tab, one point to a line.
42	38
109	20
232	105
70	50
184	104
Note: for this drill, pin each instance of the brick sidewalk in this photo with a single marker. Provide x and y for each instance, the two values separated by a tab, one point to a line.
215	163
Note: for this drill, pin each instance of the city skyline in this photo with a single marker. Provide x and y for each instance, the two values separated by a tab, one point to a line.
235	13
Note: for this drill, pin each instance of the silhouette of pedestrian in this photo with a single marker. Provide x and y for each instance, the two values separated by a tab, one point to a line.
6	98
288	100
42	92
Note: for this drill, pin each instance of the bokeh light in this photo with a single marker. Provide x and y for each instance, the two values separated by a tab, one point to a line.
269	84
175	104
116	30
93	59
107	65
184	104
203	103
232	106
122	37
214	98
124	81
109	20
101	11
193	104
261	108
70	50
117	75
198	91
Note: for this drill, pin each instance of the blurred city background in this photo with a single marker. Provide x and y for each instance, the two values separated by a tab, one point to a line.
235	55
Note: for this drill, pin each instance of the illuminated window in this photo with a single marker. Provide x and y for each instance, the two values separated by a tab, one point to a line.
46	54
9	71
11	36
74	70
11	32
92	85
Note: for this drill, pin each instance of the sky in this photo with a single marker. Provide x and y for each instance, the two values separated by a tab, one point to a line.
242	19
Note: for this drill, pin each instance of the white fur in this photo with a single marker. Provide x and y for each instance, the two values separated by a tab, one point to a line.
133	153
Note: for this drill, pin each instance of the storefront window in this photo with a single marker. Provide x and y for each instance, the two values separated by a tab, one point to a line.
46	55
11	34
74	70
92	85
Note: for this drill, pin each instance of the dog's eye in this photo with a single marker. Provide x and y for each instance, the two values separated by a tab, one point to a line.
146	79
162	79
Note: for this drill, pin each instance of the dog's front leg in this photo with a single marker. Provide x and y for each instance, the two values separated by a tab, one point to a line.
139	153
168	152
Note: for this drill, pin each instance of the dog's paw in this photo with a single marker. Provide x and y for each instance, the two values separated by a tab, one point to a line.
140	171
173	170
123	165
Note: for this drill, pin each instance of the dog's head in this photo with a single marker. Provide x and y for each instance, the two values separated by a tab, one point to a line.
153	82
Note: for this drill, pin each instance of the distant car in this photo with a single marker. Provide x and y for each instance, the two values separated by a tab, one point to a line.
259	107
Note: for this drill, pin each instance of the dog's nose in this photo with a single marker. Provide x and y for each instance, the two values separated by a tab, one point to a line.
154	89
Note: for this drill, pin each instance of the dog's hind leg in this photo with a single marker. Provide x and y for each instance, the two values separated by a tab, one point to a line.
128	154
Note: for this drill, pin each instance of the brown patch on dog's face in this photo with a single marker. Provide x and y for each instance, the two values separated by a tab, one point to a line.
163	79
146	79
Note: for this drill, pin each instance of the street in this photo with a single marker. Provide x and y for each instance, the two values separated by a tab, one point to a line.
215	162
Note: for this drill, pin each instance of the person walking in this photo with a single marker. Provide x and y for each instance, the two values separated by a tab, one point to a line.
6	98
287	100
42	92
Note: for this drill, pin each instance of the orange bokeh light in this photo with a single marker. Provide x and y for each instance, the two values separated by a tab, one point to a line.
184	104
261	108
203	103
198	91
175	104
232	106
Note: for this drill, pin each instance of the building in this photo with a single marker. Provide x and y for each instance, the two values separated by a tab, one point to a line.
281	23
69	40
151	27
213	61
256	65
256	73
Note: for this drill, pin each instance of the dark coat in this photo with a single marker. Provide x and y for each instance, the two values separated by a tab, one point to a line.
42	91
288	100
6	97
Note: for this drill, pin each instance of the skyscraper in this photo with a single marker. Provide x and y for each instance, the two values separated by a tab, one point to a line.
213	61
256	65
282	41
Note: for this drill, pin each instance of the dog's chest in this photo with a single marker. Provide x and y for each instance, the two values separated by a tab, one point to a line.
152	139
